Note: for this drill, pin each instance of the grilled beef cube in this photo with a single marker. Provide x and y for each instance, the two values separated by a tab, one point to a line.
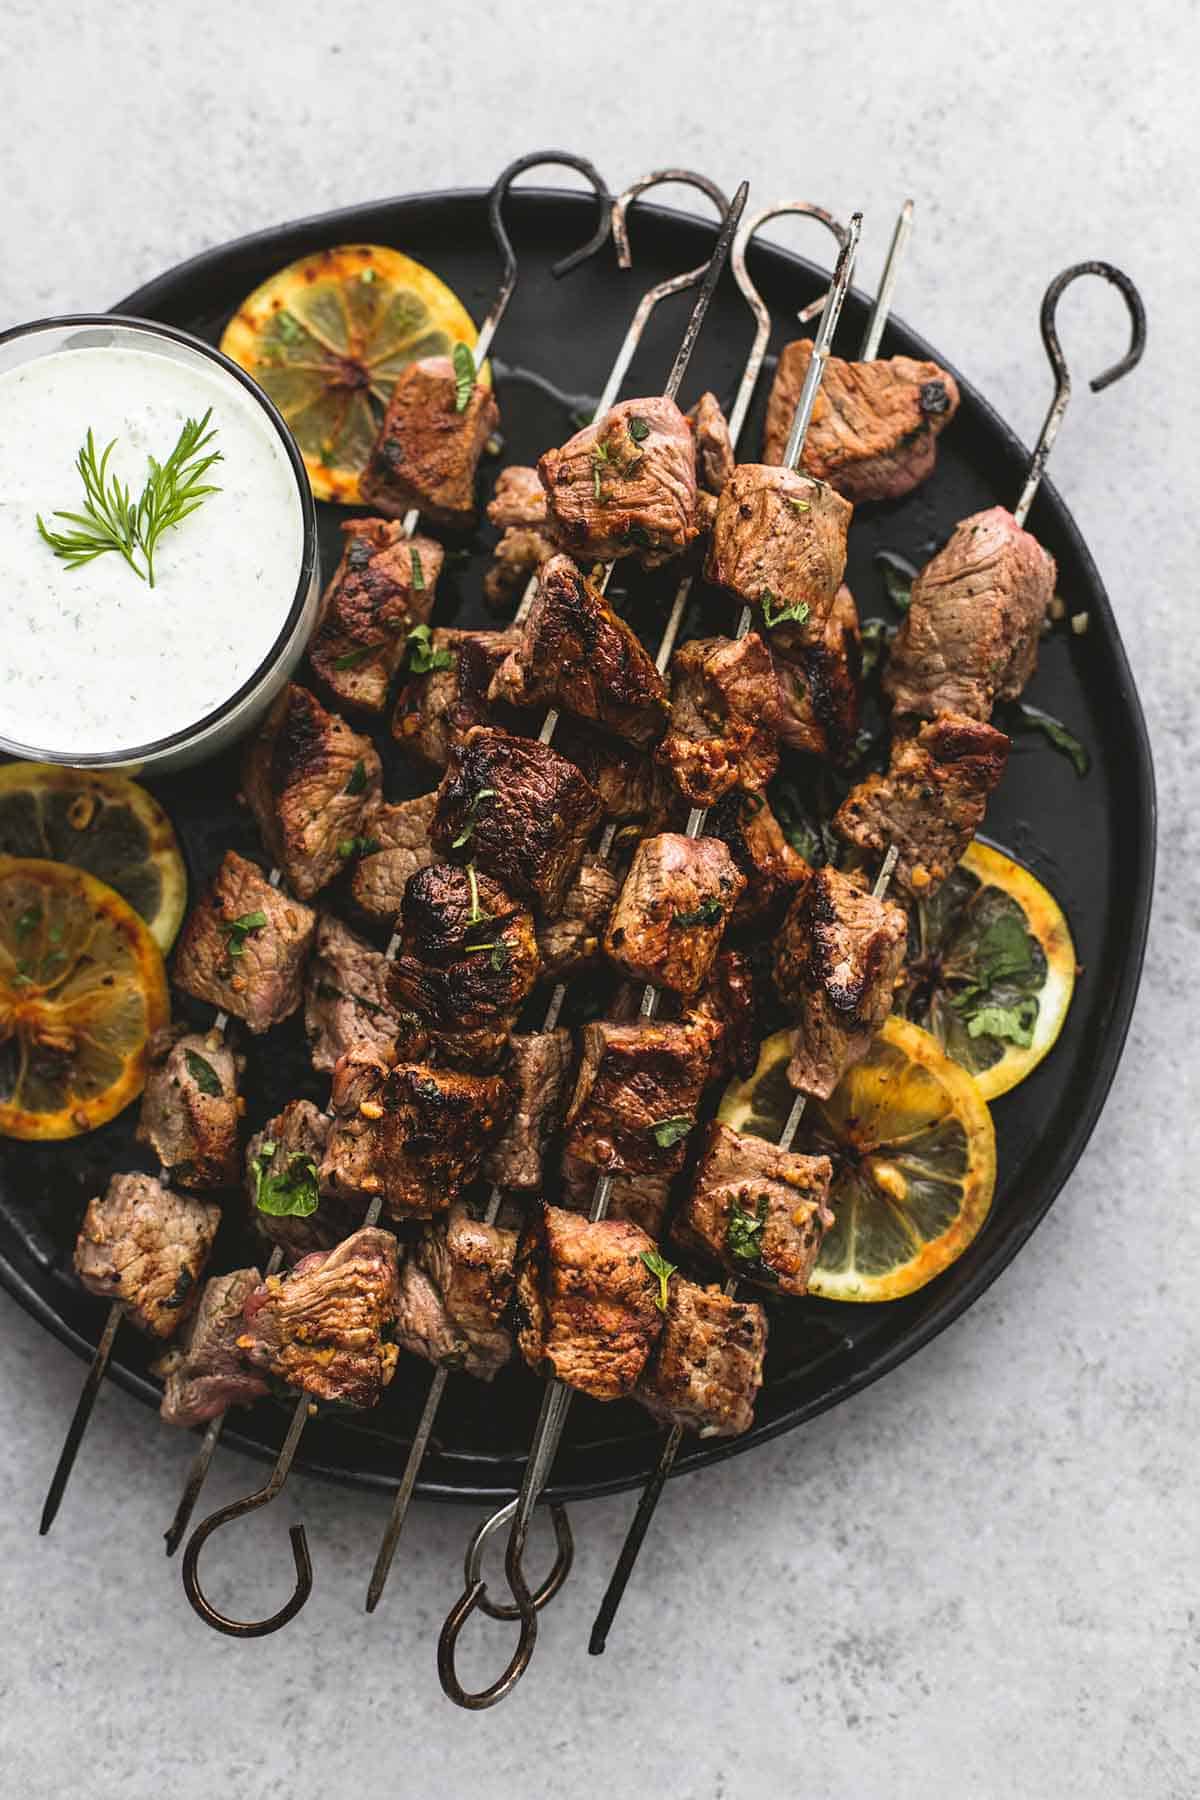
636	1093
641	1198
779	542
284	1159
455	1293
585	1301
772	870
571	940
930	803
708	1366
245	945
414	1134
427	451
677	899
820	686
519	810
836	963
970	636
624	486
380	878
728	1003
383	586
346	999
468	952
724	718
206	1372
756	1210
518	499
875	425
518	556
715	461
312	785
190	1109
575	653
322	1328
632	785
146	1246
437	706
540	1077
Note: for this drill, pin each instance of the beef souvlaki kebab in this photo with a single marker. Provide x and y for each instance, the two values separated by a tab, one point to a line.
313	786
521	810
983	600
581	1283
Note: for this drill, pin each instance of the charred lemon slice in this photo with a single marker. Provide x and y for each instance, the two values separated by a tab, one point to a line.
82	988
914	1159
104	824
328	336
990	970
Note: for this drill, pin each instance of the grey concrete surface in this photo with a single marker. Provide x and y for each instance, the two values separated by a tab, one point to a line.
978	1579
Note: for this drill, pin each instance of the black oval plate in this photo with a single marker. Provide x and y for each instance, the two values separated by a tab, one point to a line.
1091	840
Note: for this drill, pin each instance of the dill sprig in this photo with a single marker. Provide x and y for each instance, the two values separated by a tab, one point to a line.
112	520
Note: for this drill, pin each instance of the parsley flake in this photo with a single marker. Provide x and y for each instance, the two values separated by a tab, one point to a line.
743	1234
358	778
473	806
292	1192
238	930
788	609
663	1271
464	376
423	659
672	1131
709	912
203	1074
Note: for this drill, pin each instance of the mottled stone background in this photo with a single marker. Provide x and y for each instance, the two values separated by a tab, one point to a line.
978	1579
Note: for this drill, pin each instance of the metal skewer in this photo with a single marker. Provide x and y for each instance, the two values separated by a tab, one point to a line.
304	1406
557	1397
646	306
1037	465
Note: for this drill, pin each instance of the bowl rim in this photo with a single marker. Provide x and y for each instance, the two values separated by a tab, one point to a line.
159	748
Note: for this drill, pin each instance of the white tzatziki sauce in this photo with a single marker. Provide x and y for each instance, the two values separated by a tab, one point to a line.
92	660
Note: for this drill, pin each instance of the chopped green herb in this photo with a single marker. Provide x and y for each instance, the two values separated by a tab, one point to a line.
358	778
1015	1023
29	921
469	822
639	430
1032	718
672	1131
464	376
663	1271
477	914
352	658
793	609
423	659
418	573
292	1192
800	506
238	930
357	846
709	912
743	1235
203	1074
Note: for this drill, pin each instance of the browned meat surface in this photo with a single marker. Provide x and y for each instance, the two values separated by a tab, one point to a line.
323	1328
519	810
708	1367
930	803
468	954
724	718
414	1134
313	786
820	686
970	636
346	999
641	1198
636	1094
518	499
205	1372
380	878
836	963
446	691
519	554
455	1292
632	785
190	1110
571	940
779	543
625	486
383	586
875	425
714	449
539	1073
671	913
771	868
427	451
146	1246
244	946
575	653
756	1210
728	1002
585	1301
283	1164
